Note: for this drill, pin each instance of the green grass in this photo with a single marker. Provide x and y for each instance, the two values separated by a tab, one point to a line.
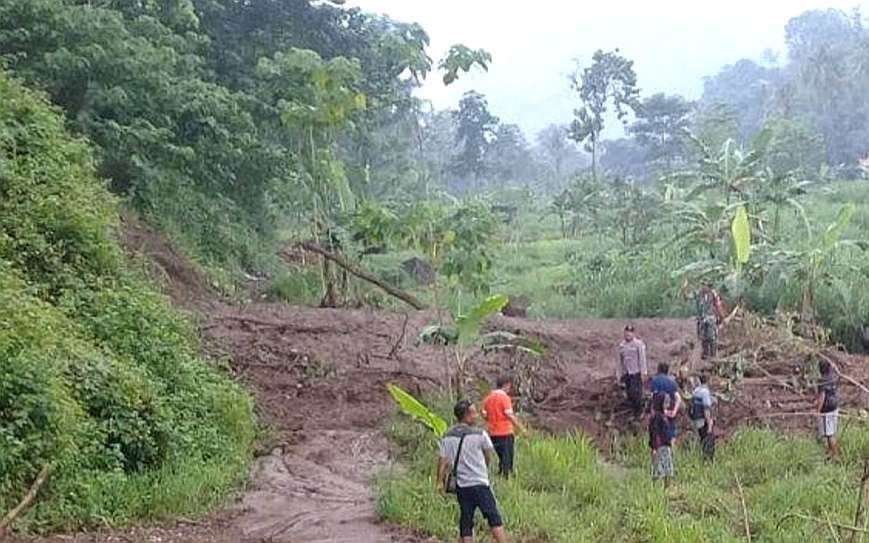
564	491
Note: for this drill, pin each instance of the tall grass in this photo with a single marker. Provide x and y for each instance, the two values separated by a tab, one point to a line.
564	491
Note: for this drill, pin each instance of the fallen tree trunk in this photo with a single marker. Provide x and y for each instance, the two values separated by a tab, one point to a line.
10	517
405	297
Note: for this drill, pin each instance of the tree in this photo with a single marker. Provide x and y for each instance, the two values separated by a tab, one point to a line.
829	77
558	151
624	157
794	147
462	58
474	134
510	159
610	79
661	125
316	99
746	89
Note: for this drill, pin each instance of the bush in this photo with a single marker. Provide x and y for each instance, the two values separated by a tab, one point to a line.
100	376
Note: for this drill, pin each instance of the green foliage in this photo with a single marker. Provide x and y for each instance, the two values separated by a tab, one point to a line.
475	130
462	58
661	124
470	323
412	407
609	79
563	490
101	377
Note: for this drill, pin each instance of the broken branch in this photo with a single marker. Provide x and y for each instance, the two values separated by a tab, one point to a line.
10	517
364	275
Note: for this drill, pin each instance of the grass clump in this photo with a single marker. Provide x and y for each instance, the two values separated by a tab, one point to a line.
563	490
98	375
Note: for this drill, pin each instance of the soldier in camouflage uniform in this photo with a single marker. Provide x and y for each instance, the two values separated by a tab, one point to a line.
706	302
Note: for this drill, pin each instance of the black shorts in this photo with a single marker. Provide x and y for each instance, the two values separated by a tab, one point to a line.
471	498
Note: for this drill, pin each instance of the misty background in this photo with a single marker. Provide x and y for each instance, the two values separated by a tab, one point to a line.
675	44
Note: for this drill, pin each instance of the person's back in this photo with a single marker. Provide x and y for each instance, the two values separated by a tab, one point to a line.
502	422
471	469
660	441
464	456
664	383
701	416
496	407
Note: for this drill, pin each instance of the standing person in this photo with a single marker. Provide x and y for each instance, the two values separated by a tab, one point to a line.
463	459
632	369
664	383
660	441
707	305
701	416
501	421
827	404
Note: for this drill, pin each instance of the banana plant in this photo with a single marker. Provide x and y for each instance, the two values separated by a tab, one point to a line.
464	336
415	409
815	263
732	268
731	169
782	191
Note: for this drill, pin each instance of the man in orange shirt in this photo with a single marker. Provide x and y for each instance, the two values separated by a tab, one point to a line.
500	419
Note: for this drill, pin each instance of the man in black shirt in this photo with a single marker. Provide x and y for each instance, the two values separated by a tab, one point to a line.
827	404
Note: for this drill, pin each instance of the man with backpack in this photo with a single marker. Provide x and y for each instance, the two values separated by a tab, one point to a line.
701	416
827	404
464	456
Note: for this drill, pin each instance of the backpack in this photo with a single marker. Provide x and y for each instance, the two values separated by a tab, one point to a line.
697	411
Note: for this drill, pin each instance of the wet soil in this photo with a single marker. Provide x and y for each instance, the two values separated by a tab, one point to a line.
319	375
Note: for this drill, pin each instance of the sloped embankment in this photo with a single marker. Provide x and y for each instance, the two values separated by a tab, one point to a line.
100	380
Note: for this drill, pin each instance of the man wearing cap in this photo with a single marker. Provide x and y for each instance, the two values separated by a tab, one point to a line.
632	369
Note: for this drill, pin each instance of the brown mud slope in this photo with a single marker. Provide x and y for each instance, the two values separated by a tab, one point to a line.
319	377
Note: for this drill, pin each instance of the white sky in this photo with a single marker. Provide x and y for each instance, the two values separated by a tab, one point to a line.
674	43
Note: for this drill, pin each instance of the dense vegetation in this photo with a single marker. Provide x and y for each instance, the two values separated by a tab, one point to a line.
238	126
100	377
564	491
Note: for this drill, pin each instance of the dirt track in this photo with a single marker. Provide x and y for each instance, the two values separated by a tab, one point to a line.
319	376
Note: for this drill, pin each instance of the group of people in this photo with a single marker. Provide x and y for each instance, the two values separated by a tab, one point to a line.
466	450
666	403
666	400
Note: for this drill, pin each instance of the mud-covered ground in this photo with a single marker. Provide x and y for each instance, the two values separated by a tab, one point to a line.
319	376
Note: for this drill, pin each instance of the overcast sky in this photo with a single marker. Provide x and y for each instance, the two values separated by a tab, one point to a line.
674	43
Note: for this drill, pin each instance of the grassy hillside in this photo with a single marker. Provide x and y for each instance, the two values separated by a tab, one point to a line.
99	377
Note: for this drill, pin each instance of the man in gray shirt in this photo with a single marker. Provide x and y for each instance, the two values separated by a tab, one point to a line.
468	450
632	368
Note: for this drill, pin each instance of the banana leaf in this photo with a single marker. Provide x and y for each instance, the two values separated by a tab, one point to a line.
413	408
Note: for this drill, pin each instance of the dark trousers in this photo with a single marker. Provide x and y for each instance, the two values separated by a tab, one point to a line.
505	449
634	391
707	442
472	498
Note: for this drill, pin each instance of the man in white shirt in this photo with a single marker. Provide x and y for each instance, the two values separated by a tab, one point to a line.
465	452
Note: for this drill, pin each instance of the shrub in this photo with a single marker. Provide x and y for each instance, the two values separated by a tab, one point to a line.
98	375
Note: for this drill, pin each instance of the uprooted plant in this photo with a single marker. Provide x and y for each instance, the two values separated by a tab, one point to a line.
464	337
